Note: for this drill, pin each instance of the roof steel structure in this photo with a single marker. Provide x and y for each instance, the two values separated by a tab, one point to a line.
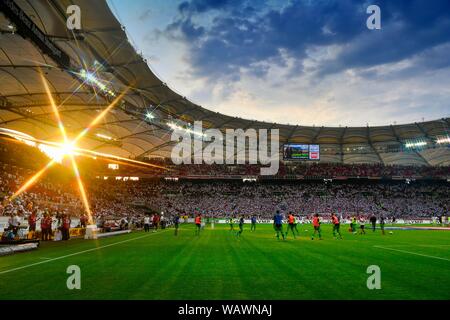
102	45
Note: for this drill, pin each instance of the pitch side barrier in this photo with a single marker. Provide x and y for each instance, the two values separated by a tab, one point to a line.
323	220
93	232
302	178
418	228
12	249
24	222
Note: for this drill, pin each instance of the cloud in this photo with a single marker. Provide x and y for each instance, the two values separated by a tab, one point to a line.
201	6
312	62
145	15
242	36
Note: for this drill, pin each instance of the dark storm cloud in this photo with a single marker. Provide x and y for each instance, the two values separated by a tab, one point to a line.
425	62
242	34
409	29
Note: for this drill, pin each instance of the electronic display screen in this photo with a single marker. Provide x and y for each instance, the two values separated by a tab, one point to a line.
301	152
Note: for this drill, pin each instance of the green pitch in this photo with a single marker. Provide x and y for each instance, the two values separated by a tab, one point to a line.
218	265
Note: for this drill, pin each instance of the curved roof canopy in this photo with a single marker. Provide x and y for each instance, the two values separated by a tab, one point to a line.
101	48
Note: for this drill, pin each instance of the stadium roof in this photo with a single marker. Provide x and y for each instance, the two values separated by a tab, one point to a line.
101	47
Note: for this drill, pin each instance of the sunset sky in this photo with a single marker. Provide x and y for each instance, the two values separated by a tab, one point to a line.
299	62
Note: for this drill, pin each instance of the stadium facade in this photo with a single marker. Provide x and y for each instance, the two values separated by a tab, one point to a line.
88	69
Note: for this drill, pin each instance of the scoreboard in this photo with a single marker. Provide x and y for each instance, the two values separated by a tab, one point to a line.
301	152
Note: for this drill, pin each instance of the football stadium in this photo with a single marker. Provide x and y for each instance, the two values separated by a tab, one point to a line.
115	186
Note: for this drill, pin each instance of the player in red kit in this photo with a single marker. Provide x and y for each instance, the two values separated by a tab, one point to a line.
336	226
198	224
316	225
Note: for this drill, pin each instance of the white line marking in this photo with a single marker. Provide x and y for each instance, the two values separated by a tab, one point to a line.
414	253
77	253
433	245
419	245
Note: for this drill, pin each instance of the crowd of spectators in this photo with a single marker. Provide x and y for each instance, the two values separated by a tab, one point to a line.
52	192
307	169
55	194
225	198
289	169
367	170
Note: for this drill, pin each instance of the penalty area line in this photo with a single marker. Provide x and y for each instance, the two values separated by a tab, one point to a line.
414	253
78	253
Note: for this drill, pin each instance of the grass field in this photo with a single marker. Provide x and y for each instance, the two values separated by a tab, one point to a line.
218	265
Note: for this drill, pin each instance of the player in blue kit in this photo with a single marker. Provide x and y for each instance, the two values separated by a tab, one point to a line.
278	225
241	226
176	223
253	226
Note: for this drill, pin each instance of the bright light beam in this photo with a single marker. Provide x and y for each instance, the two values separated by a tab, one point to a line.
80	136
99	117
82	190
69	146
91	153
32	180
110	156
